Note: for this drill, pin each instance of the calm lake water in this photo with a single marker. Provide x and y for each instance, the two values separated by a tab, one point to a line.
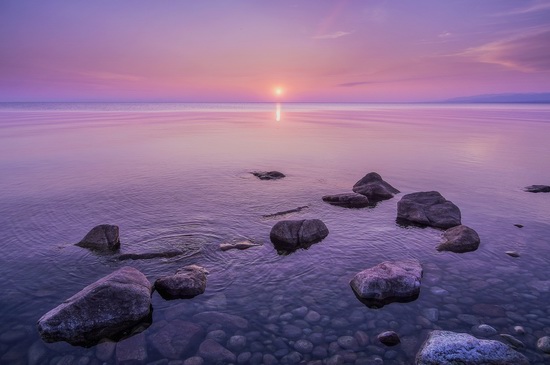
176	176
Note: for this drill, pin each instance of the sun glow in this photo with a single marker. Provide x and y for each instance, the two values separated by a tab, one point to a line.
278	91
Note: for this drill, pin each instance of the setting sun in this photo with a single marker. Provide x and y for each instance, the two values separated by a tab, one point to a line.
278	91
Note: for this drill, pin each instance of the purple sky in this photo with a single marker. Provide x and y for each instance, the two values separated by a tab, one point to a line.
314	50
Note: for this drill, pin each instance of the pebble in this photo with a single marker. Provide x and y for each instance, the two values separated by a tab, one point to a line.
339	322
519	330
292	358
236	343
335	360
303	346
484	330
37	352
195	360
319	352
292	332
468	319
347	342
389	338
512	253
269	359
431	314
286	316
513	341
316	338
543	344
217	335
244	357
438	291
312	316
300	312
362	338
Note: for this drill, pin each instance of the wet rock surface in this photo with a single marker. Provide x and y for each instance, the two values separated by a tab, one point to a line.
389	281
187	282
446	347
104	237
374	188
428	208
241	245
268	175
290	235
459	239
347	200
537	189
104	309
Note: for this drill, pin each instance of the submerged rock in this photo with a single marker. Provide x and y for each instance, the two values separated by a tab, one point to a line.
290	235
374	188
187	282
241	245
177	338
428	208
268	175
537	189
285	212
214	353
459	239
388	282
512	253
347	200
445	347
104	237
543	344
226	320
150	255
104	309
389	338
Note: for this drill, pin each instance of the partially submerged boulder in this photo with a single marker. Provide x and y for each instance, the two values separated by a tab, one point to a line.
374	187
101	238
290	235
389	281
428	208
187	282
459	239
347	200
446	347
240	245
105	309
268	175
537	189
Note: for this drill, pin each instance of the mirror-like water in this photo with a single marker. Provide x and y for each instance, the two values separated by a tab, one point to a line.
176	176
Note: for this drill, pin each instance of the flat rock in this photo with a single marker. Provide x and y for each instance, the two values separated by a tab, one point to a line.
226	320
268	175
187	282
177	338
445	347
241	245
428	208
459	239
389	281
389	338
537	189
374	188
104	309
347	200
214	353
290	235
104	237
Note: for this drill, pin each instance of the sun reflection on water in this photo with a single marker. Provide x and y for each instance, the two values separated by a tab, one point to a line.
278	112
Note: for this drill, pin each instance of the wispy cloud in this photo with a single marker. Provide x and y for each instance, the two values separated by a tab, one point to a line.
528	52
444	35
532	8
334	35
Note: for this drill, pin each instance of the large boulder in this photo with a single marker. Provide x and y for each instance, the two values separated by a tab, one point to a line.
101	238
290	235
445	347
388	282
104	309
347	200
537	189
374	188
428	208
268	175
187	282
459	239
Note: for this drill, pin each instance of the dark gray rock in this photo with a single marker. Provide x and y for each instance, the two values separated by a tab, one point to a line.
290	235
543	344
104	309
226	320
177	338
241	245
214	353
514	342
150	255
187	282
374	188
512	253
445	347
428	208
389	281
389	338
101	238
537	189
268	175
347	200
459	239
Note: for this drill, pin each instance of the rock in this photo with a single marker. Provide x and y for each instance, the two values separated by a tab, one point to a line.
37	353
299	312
215	353
104	350
362	338
177	338
537	189
292	332
241	245
244	357
268	175
347	200
389	338
512	253
101	238
459	239
519	330
543	344
374	188
347	342
228	321
389	281
132	350
104	309
513	341
187	282
217	335
428	209
290	235
445	347
236	343
484	330
488	310
303	346
193	360
519	225
285	212
312	316
150	255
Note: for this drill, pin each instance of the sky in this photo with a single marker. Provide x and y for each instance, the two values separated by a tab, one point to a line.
242	50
